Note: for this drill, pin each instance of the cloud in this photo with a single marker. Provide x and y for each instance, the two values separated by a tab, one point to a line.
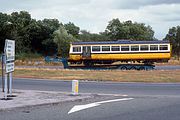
136	4
161	17
93	15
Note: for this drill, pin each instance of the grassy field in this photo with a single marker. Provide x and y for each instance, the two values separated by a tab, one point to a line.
101	75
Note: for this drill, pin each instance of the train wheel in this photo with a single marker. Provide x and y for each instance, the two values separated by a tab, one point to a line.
133	68
88	63
123	68
142	68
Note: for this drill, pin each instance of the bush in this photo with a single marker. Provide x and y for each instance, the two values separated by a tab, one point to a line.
28	56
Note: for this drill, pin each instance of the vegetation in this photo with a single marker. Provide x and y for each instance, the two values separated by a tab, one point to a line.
101	75
63	40
51	37
174	37
27	56
128	30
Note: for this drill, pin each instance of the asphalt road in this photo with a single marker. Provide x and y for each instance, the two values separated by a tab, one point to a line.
100	87
150	102
168	67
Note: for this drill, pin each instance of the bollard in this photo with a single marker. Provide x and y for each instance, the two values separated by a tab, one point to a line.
75	87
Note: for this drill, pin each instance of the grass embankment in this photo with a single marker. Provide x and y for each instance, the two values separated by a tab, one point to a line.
170	62
34	59
102	75
107	75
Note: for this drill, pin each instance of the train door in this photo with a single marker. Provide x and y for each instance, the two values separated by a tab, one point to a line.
86	52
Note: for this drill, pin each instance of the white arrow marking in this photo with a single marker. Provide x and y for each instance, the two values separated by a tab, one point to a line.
82	107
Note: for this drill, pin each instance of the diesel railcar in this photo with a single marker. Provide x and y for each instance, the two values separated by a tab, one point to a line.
107	52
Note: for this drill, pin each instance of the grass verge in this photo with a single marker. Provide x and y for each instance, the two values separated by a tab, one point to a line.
155	76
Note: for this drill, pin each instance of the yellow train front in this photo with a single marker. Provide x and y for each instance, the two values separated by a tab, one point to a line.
147	52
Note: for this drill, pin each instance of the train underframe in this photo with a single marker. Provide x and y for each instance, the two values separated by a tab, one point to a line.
147	64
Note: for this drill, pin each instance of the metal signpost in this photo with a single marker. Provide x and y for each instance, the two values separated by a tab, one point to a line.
2	65
8	62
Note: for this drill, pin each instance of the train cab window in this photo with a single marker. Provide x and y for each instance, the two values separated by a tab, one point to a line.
144	47
135	48
115	48
77	49
95	48
153	47
124	48
163	47
105	48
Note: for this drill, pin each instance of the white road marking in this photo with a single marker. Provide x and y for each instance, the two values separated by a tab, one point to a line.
115	100
90	105
82	107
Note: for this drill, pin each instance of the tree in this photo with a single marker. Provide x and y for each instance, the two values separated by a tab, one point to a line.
87	36
63	40
174	37
20	22
178	42
41	34
114	29
128	30
72	29
4	29
30	35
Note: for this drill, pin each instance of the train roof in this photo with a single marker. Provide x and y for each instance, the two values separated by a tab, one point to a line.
122	42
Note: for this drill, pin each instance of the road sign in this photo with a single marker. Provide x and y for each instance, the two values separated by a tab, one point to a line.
8	62
9	67
9	50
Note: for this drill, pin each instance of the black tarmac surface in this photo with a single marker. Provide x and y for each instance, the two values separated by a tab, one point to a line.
151	101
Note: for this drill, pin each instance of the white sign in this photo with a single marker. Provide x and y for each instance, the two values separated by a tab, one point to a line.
9	67
10	50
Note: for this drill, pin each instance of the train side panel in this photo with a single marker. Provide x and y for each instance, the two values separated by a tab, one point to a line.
77	51
135	56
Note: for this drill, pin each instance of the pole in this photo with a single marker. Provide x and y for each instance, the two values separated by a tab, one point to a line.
10	85
8	82
5	86
2	72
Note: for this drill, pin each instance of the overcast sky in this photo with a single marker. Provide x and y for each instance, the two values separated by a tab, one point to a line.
93	15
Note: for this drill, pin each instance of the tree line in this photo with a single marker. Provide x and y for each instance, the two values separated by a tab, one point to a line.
173	36
50	36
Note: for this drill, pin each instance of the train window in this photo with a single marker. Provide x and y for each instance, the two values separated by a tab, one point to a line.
115	48
135	48
77	49
95	48
105	48
163	47
144	47
153	47
124	48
